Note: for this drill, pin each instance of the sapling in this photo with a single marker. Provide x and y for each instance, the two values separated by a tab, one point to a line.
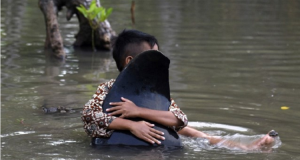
95	16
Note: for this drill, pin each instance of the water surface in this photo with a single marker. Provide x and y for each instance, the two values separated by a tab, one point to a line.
234	64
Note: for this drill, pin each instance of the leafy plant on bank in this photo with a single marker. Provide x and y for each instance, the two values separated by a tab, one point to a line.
95	16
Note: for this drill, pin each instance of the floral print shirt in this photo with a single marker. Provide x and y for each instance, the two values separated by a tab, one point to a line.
96	122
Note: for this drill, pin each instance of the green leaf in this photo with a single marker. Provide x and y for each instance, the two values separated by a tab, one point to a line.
92	8
109	10
83	7
98	16
92	15
93	3
95	14
82	10
98	9
103	15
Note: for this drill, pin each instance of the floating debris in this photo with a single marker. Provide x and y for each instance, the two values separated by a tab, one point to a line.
284	108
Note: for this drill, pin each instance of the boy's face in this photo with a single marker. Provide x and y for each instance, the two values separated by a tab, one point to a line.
139	48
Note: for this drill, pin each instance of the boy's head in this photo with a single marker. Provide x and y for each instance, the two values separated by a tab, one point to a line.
129	44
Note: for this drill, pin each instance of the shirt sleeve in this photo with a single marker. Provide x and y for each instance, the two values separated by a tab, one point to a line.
179	114
95	121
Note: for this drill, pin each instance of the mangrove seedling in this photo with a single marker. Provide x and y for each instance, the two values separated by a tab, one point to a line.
95	16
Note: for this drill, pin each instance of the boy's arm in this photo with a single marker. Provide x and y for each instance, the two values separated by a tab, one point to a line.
140	129
95	121
127	109
99	124
191	132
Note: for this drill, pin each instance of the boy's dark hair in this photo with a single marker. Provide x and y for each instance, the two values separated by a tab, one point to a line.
126	42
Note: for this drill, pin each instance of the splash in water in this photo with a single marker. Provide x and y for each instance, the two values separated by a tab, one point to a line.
218	139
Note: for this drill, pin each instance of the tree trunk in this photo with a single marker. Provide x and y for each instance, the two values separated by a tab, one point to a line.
54	41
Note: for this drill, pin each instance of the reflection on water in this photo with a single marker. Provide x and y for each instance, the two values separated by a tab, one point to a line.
17	133
220	126
233	65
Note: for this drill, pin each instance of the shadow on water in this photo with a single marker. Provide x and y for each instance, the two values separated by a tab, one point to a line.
229	133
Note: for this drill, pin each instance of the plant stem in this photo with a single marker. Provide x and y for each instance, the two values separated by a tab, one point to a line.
93	41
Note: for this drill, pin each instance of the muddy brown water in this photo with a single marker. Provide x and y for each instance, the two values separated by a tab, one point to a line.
234	64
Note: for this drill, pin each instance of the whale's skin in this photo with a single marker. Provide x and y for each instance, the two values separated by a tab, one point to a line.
145	81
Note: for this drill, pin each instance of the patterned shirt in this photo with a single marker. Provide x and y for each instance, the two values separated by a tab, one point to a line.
96	122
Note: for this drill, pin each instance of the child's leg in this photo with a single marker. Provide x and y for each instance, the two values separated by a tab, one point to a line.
264	141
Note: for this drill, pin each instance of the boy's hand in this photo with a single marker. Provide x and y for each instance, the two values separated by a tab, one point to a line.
146	132
126	109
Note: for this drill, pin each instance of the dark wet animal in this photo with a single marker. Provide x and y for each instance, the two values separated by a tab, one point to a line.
58	109
53	105
145	81
54	40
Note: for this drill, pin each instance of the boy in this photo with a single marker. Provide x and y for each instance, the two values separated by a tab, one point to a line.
129	44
